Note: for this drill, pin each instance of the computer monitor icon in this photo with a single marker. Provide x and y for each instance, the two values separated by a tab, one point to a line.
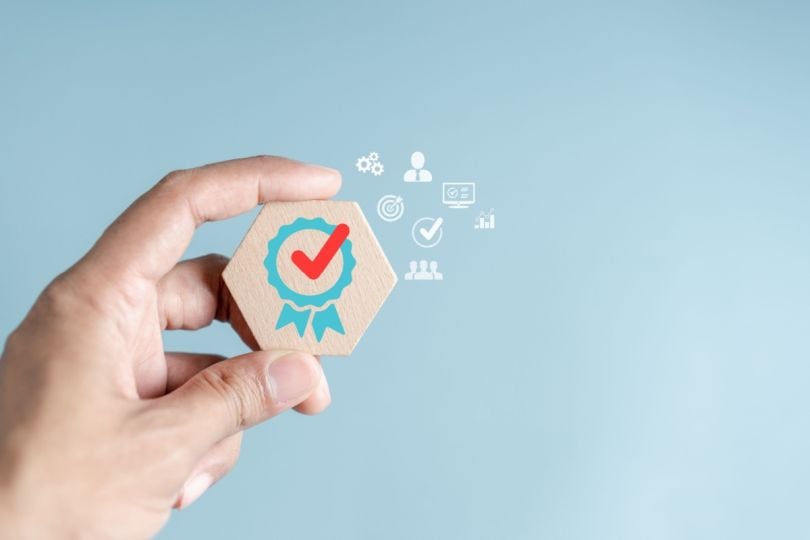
458	194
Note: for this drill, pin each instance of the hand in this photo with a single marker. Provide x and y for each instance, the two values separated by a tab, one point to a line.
101	431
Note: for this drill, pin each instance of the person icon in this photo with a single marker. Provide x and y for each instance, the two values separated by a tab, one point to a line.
418	173
409	275
423	274
438	276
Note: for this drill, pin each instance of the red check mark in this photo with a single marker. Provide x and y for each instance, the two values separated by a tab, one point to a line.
314	268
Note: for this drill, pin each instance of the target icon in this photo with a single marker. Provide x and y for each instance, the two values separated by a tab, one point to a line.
390	207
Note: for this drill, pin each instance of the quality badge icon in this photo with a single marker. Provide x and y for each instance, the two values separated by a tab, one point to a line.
309	276
300	307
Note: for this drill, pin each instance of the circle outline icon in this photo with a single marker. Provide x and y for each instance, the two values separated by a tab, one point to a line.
437	237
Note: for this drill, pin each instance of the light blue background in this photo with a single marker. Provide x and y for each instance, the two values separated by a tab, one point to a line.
624	357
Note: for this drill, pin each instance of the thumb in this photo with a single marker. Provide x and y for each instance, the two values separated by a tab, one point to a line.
235	394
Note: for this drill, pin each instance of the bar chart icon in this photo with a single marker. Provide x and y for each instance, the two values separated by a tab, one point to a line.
485	220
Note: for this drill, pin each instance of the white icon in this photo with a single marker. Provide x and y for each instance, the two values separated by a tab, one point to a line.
458	194
427	231
486	220
418	173
390	207
423	273
370	163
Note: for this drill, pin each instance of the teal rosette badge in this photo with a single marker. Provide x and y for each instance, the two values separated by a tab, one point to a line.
300	308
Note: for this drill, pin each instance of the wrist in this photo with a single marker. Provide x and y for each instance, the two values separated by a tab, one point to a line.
25	515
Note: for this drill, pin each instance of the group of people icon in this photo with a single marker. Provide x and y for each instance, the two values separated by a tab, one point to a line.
428	271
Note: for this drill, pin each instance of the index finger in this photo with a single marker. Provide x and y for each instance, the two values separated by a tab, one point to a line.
149	238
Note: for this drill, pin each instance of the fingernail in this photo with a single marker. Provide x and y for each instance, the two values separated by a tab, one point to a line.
292	378
325	168
194	488
323	391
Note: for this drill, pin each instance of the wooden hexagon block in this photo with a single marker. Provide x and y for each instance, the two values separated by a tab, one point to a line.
309	276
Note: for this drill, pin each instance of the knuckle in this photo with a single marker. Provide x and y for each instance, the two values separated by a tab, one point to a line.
14	343
174	187
173	177
241	393
56	289
266	158
58	297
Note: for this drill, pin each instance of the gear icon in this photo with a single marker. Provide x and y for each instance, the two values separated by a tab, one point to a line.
363	164
374	156
377	168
